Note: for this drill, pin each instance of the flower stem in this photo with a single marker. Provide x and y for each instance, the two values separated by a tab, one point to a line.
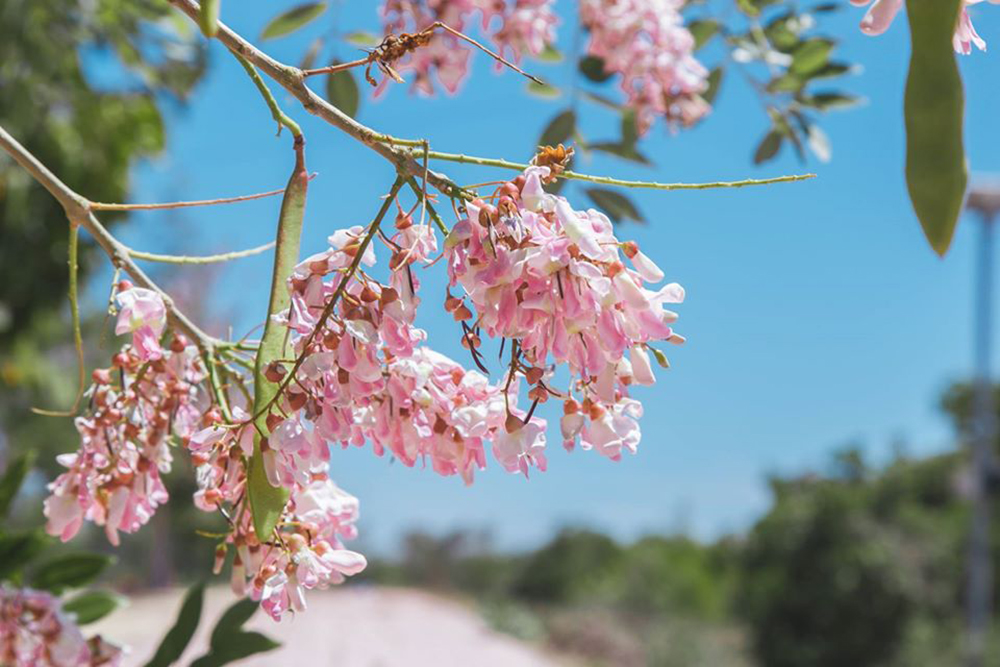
199	259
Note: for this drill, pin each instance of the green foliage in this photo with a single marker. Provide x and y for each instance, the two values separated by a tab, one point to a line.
11	481
617	206
92	606
73	570
559	130
936	170
229	642
342	91
179	635
293	19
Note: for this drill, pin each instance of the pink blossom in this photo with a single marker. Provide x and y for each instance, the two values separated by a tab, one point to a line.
143	314
882	12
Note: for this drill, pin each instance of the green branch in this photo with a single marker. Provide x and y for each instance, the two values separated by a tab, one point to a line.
279	116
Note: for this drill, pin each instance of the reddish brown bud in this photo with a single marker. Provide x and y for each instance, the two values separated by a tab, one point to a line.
368	295
101	376
451	303
275	372
297	401
179	343
462	312
513	424
533	375
388	296
273	420
343	377
124	285
519	182
403	221
630	248
570	407
615	268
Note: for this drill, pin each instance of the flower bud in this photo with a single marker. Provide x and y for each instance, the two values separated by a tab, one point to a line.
512	424
101	376
275	372
462	313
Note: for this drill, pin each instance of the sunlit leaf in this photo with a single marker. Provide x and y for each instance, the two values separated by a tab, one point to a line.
617	206
811	55
292	20
362	39
703	30
17	550
550	54
559	129
543	90
936	171
629	153
827	101
714	81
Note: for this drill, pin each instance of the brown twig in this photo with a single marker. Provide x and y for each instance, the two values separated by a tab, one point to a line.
98	206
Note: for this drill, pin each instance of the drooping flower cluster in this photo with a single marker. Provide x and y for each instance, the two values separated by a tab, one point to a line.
34	630
645	41
526	27
114	479
882	12
144	315
552	280
366	377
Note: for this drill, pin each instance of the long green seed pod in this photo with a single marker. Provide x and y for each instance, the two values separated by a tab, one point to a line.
266	501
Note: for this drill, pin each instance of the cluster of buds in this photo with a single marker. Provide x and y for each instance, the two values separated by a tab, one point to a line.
147	395
646	42
34	630
552	280
525	27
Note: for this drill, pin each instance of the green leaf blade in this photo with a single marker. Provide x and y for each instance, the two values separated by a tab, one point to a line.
342	91
617	206
11	482
93	606
70	571
179	636
294	19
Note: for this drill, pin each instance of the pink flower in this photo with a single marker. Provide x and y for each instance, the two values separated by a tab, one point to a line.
882	12
144	315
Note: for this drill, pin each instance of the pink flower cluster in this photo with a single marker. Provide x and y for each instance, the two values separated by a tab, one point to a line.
114	478
525	27
882	12
551	280
367	378
34	630
645	41
144	315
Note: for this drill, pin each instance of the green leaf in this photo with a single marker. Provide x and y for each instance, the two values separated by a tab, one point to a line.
69	571
768	147
19	549
603	101
550	54
559	129
208	17
629	153
543	90
360	38
827	101
714	81
616	205
232	620
811	55
630	128
342	91
786	83
933	106
236	647
290	21
592	67
702	31
830	70
93	605
11	481
178	637
783	31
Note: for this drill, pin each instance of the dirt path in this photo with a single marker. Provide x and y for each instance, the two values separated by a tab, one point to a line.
352	627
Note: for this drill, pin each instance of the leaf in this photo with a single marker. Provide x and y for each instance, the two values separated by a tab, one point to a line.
933	106
592	67
309	59
616	205
292	20
601	100
559	129
229	642
342	91
208	17
11	481
232	620
629	153
827	101
702	31
811	55
630	128
543	90
178	637
93	605
362	39
830	70
236	647
549	54
768	147
714	81
69	571
786	83
19	549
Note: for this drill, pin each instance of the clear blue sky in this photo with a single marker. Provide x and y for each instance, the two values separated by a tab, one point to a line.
816	315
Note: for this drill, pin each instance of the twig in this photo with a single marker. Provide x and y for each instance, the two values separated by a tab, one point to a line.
333	69
199	259
496	56
77	209
607	180
98	206
279	116
74	309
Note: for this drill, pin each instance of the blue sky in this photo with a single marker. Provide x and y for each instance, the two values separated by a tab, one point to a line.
817	316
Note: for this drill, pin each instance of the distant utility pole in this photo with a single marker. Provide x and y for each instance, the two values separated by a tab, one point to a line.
984	199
